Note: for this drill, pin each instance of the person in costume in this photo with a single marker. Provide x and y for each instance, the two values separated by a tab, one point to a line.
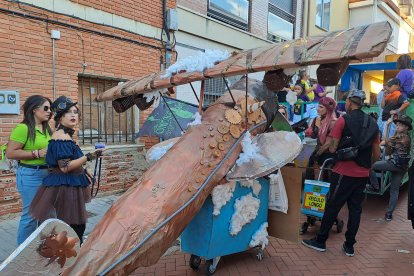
65	191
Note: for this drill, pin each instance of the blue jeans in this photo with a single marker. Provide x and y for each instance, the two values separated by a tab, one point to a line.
28	181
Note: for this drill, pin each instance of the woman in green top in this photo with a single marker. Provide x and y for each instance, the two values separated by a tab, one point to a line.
28	143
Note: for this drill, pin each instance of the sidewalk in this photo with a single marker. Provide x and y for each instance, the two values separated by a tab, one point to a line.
375	253
8	228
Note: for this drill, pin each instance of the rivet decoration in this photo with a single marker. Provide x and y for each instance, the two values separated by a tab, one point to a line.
232	116
235	131
223	129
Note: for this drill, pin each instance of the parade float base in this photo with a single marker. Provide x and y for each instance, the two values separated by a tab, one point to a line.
208	236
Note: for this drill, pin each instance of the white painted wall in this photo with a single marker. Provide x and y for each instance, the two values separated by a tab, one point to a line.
361	16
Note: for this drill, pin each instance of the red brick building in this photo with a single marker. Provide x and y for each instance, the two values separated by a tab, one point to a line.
101	44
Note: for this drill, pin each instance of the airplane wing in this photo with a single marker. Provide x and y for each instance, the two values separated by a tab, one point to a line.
356	43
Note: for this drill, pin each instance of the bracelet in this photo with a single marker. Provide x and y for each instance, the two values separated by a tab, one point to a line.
34	154
38	154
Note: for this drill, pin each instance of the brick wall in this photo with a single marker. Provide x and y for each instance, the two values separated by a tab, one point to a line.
26	66
145	11
121	167
199	6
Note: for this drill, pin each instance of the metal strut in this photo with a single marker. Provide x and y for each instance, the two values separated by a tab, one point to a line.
228	88
195	94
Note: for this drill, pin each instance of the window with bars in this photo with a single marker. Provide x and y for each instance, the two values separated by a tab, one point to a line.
233	12
99	121
214	88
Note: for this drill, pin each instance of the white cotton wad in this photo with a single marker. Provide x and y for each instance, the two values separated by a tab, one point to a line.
259	238
291	97
197	120
221	195
153	95
250	150
197	63
291	136
245	210
157	153
254	184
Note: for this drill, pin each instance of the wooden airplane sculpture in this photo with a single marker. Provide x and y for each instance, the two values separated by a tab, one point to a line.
143	223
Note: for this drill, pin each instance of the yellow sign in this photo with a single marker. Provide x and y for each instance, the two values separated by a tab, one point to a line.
313	201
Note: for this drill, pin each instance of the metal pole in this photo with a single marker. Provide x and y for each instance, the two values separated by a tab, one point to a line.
54	68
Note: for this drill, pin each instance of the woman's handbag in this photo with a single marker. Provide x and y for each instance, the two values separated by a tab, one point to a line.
349	153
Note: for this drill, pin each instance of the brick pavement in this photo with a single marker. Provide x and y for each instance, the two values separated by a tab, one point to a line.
8	226
376	252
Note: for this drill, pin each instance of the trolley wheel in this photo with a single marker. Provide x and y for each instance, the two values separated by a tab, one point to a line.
304	228
339	226
312	221
195	262
259	253
211	269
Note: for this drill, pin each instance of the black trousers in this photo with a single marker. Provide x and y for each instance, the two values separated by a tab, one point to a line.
343	189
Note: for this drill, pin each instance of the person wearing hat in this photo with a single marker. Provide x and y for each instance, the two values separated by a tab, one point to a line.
397	148
321	129
393	103
357	133
65	190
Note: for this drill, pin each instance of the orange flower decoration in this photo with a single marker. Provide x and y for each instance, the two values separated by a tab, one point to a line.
58	246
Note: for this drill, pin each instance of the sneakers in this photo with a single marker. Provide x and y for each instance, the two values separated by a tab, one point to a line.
348	249
388	216
314	244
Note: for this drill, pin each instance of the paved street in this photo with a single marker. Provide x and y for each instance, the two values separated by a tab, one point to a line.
376	251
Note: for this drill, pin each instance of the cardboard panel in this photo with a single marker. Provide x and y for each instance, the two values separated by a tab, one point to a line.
286	226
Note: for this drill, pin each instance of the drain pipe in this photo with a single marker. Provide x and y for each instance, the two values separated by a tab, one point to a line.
55	35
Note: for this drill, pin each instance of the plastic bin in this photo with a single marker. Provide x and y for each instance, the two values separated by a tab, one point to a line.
314	197
208	236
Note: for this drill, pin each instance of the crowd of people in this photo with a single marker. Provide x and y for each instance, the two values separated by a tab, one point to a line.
53	182
354	141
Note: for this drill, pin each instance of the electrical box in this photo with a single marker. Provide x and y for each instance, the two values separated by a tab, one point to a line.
55	34
172	20
9	102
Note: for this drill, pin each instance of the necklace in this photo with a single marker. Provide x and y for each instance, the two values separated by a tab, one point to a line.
66	130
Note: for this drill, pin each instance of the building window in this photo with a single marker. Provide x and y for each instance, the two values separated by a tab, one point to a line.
233	12
215	88
286	5
323	13
279	24
99	121
278	30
